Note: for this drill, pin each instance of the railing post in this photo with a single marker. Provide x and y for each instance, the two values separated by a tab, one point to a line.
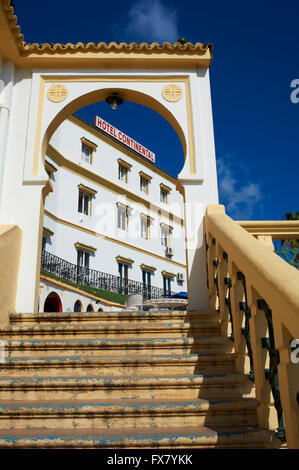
288	374
259	330
237	296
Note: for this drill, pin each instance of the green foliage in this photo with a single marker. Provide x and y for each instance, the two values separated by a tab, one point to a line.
102	294
292	216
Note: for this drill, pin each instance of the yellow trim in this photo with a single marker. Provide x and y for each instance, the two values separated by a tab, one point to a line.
124	164
167	274
145	216
114	240
88	143
145	176
81	246
113	187
166	188
40	108
47	232
190	128
145	267
77	290
146	100
168	227
121	259
49	167
87	190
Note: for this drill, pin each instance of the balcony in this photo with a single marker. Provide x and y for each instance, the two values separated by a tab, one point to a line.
81	276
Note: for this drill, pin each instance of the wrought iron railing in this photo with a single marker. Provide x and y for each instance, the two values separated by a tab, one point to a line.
288	253
61	268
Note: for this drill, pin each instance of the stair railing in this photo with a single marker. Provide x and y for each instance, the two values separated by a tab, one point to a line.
257	295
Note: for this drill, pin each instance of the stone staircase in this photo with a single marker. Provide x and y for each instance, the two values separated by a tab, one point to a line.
124	380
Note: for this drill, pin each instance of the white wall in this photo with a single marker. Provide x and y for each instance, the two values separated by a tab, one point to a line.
109	241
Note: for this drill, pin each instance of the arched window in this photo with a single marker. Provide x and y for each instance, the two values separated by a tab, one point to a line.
78	306
89	308
53	303
100	309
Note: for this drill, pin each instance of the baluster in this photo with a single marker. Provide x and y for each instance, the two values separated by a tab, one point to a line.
212	273
237	296
271	373
244	307
227	297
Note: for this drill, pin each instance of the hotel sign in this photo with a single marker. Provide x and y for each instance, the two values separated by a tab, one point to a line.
123	138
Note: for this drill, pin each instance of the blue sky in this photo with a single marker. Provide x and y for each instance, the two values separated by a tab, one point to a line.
256	57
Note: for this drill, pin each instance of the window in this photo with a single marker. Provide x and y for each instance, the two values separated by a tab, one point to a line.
122	216
44	243
144	182
83	258
123	271
123	170
164	237
87	150
164	193
146	278
143	185
84	202
86	154
78	306
89	308
166	231
167	285
123	173
145	228
163	196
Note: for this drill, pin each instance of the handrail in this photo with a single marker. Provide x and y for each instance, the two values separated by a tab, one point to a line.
80	275
257	294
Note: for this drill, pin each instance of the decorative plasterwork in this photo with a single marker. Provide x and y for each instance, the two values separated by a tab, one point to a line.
47	232
121	259
172	92
86	189
88	143
49	167
57	93
145	267
145	176
165	188
81	246
124	164
167	274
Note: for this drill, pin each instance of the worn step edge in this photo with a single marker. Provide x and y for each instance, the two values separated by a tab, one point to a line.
146	381
129	315
190	437
123	361
104	343
126	408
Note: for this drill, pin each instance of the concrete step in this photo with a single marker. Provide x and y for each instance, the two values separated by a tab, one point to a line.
121	316
181	437
127	413
220	385
112	365
69	347
112	330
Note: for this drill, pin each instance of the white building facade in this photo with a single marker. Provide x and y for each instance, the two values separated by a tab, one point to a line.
114	219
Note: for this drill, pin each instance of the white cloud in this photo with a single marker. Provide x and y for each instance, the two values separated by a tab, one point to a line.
237	193
151	20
